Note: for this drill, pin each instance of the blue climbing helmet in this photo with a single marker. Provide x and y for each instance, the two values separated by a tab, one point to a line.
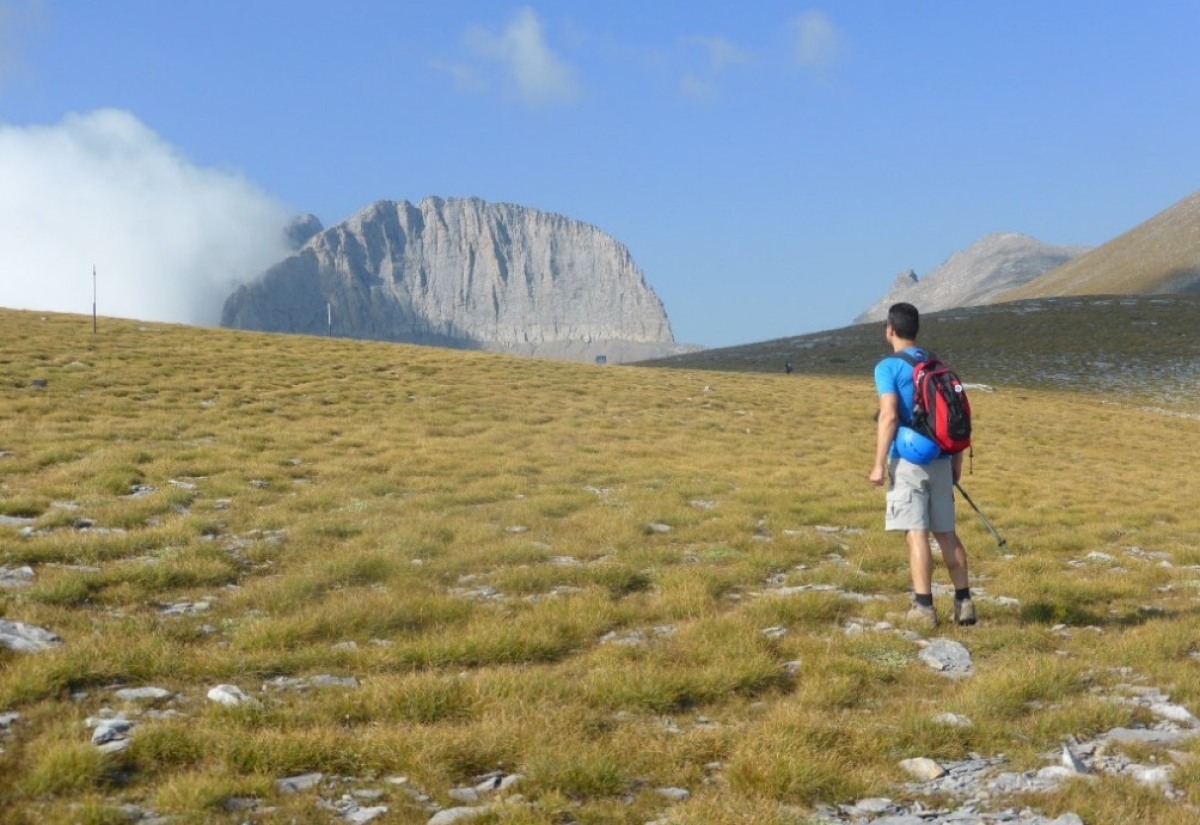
915	447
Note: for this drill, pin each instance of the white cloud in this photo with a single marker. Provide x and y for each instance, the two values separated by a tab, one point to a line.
716	55
536	72
818	43
169	239
721	53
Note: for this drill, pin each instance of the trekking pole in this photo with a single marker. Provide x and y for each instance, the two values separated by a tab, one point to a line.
999	541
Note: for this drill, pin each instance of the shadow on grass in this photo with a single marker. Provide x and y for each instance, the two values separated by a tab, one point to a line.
1074	615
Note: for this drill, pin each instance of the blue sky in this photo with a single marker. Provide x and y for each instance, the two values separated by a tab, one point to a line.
771	166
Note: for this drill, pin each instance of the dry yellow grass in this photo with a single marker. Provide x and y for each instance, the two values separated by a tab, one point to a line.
551	569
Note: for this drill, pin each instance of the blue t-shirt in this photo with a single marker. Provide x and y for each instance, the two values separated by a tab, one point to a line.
895	375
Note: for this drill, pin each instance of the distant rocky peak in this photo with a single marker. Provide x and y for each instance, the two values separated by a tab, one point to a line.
463	272
992	265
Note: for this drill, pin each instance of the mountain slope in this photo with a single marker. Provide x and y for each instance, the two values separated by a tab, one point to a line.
1150	349
989	267
1161	255
463	273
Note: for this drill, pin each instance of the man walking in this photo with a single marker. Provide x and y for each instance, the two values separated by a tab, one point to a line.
920	498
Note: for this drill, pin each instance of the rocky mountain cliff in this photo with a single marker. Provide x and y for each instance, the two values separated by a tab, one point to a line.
1161	255
989	267
463	273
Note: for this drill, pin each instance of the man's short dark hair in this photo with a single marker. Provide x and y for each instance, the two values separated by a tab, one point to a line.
905	320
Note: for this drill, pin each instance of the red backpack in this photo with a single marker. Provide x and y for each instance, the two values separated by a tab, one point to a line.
940	407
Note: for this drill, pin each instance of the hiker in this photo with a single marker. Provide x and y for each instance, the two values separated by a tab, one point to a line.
788	367
920	497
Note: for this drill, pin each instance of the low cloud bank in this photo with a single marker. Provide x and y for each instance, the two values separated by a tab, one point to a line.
169	240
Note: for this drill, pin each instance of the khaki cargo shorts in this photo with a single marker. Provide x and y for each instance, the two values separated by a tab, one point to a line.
920	496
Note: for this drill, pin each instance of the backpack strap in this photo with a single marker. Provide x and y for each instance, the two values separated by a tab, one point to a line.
911	360
904	355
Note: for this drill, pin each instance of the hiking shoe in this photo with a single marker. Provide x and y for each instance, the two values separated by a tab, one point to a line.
964	612
919	615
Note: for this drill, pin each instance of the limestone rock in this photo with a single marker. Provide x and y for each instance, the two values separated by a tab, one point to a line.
1072	762
462	814
923	768
231	696
948	657
301	782
463	273
25	638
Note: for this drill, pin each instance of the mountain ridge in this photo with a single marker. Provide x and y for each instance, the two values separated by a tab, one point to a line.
463	273
989	267
1159	255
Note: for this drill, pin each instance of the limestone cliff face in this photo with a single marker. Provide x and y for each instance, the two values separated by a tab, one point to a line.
989	267
465	273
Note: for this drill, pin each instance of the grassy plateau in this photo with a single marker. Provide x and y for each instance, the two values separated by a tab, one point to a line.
610	581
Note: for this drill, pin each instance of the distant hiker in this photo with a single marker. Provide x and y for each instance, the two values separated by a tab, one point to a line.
920	478
788	367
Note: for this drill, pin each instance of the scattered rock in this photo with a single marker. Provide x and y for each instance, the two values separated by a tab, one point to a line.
1159	775
184	608
13	577
357	816
953	719
463	814
1145	736
496	781
830	530
629	638
231	696
325	680
296	784
948	657
1072	762
483	593
24	638
923	768
1174	713
110	735
143	694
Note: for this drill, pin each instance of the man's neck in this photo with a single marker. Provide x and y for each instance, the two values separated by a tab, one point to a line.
899	343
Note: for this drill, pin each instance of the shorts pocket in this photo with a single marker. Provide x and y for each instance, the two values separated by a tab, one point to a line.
899	502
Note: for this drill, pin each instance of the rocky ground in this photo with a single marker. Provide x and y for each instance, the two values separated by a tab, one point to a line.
981	784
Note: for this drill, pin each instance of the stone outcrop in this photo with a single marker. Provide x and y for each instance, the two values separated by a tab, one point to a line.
463	273
989	267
